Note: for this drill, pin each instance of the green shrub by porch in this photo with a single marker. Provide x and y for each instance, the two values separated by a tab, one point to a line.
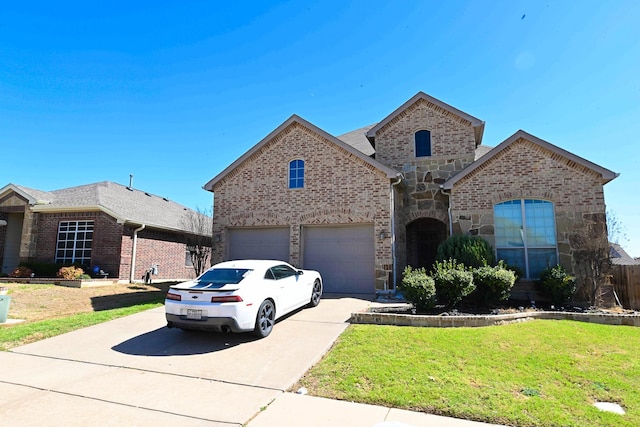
493	284
472	251
557	285
418	288
453	282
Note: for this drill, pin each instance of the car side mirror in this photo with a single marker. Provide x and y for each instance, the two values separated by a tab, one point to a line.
299	272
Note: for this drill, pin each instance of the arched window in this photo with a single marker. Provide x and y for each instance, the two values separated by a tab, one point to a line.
423	143
525	232
296	173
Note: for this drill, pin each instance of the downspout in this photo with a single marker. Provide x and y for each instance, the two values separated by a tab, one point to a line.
133	252
448	209
393	230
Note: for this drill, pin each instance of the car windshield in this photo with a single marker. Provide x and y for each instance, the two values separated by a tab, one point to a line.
221	277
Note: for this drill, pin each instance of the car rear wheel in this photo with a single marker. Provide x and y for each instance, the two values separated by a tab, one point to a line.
265	319
316	294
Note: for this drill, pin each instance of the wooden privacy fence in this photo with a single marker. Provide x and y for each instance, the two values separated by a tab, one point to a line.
626	282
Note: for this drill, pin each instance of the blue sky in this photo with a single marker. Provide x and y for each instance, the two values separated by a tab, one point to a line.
173	92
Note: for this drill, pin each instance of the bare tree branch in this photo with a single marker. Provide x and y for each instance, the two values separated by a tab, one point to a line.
198	226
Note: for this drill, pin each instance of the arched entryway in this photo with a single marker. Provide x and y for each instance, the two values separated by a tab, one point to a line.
423	237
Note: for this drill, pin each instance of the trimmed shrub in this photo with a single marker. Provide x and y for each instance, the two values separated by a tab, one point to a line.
493	284
557	285
472	251
70	273
453	282
43	269
418	288
21	272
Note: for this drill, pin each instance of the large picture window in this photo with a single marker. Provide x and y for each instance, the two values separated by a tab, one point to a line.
525	233
296	174
75	239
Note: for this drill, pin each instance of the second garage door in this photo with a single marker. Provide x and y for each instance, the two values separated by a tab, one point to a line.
344	256
259	243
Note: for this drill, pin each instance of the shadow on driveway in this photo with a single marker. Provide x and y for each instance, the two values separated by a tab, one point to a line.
176	342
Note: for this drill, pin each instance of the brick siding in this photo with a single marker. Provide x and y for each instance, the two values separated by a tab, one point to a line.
525	170
339	188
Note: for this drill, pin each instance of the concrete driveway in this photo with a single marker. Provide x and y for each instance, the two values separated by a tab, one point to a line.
134	371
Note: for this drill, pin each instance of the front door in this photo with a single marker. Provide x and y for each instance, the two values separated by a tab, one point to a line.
424	235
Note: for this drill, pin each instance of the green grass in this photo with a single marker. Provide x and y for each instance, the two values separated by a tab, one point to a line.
20	334
537	373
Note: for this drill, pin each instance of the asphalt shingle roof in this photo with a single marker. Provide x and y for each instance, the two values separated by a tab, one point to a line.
128	205
358	140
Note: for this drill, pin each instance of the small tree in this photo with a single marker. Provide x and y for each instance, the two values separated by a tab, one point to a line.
616	232
198	226
591	255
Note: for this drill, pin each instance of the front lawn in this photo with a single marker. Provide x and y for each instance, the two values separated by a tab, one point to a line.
536	373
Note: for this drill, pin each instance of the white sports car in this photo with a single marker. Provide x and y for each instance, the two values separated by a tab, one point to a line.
242	296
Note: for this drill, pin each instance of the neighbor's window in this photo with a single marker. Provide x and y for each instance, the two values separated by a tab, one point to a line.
423	143
296	173
526	235
75	239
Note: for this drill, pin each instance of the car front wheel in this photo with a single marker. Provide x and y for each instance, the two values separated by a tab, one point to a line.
316	294
265	319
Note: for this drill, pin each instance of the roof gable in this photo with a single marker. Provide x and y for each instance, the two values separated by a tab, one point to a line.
606	174
295	119
478	125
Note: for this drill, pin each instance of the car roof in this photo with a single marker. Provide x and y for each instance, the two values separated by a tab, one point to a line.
253	264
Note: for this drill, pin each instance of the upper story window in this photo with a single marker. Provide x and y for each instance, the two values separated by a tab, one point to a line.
423	143
296	173
75	239
525	232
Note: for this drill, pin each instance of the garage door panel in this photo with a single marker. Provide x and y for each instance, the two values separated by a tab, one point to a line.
259	243
344	256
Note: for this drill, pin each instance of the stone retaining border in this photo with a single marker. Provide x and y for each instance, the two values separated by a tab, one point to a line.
382	318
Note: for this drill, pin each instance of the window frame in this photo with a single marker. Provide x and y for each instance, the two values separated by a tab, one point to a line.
528	225
296	172
79	234
415	144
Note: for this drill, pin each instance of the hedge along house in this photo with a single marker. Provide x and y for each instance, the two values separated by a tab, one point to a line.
122	230
361	206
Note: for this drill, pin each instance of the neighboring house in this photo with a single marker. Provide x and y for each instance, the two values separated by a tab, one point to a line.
619	256
361	206
122	230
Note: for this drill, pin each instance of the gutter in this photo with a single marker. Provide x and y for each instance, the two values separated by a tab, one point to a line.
442	190
393	230
133	252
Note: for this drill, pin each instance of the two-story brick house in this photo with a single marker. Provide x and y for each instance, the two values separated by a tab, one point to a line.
361	206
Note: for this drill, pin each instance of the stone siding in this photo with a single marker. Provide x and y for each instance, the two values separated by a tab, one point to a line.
339	188
525	170
452	149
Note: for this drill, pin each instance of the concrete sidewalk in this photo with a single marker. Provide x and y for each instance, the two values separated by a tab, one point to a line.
299	410
134	371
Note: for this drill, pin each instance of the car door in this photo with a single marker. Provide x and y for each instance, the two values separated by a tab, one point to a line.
287	286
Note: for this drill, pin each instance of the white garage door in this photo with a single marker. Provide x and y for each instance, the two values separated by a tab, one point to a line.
344	256
259	243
